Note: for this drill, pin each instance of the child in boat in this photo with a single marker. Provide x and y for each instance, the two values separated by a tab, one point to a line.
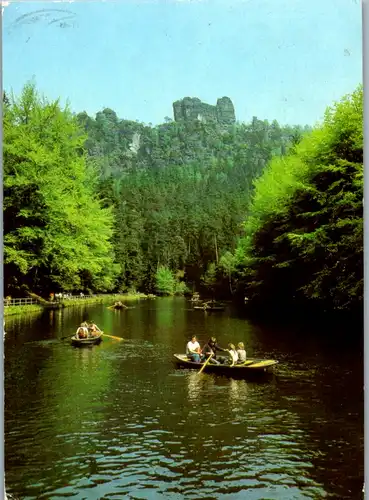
241	352
82	331
193	349
233	353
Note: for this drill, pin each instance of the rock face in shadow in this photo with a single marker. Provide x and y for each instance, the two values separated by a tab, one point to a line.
192	108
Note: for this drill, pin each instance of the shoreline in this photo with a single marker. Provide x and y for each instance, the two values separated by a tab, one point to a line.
32	308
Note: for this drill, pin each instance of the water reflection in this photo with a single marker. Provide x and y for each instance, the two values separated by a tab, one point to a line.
152	431
195	385
237	391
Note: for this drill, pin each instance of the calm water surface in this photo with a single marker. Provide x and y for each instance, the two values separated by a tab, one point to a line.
118	421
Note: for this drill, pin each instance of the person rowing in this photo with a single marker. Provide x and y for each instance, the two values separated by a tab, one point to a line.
211	348
93	330
120	305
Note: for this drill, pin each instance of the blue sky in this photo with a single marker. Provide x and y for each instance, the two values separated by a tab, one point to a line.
276	59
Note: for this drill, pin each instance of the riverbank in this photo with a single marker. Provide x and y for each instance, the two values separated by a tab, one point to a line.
31	308
12	310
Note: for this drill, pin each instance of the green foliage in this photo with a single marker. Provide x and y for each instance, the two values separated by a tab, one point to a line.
27	309
165	281
304	233
179	190
56	234
210	277
181	288
169	284
143	203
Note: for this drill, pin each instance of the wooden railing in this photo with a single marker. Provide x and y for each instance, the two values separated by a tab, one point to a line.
19	302
58	298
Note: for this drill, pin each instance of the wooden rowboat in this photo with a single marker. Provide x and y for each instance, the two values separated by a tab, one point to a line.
210	308
250	366
118	307
87	342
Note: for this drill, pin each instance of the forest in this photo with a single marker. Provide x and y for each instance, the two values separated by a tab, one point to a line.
258	210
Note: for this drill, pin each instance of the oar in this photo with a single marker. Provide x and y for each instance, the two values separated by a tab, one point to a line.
206	362
106	335
111	336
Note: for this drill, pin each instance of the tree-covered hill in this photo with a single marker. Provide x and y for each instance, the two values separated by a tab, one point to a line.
246	209
180	190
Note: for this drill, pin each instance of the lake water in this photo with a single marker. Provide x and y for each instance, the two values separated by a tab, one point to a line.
119	421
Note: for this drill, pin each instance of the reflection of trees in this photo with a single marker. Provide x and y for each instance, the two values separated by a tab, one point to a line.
53	403
320	380
329	405
165	313
124	404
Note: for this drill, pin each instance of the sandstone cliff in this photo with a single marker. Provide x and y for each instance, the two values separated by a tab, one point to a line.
192	108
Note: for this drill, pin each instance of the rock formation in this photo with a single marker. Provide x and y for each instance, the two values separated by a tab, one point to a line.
192	108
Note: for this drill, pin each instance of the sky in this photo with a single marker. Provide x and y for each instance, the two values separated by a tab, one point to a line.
276	59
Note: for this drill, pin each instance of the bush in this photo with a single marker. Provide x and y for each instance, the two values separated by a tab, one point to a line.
165	281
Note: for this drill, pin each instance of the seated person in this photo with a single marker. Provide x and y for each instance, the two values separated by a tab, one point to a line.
193	349
211	348
82	332
93	330
120	305
233	353
241	352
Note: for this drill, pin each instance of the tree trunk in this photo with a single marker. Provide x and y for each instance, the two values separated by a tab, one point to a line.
230	283
216	249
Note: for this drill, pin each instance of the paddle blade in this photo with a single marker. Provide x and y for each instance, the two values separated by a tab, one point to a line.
112	336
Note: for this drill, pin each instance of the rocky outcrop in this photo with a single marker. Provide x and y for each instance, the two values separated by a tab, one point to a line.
192	108
225	110
135	144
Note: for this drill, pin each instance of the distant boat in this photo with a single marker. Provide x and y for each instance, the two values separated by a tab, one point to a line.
118	306
210	306
195	297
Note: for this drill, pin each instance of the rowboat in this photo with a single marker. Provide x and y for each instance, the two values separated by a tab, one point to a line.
87	342
210	306
118	306
250	366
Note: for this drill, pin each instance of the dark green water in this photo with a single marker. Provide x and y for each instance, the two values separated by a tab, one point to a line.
118	421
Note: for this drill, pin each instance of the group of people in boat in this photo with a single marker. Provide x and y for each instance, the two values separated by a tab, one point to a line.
87	330
118	305
197	354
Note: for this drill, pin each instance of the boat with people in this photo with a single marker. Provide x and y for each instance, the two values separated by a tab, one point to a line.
210	306
118	306
195	297
232	362
86	342
87	334
250	366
